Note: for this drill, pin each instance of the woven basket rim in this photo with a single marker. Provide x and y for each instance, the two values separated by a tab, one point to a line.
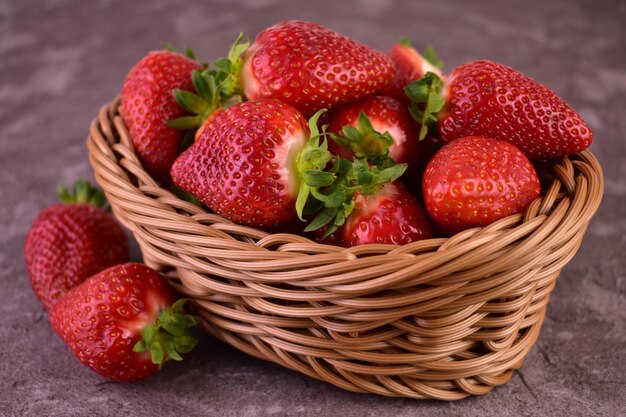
541	206
342	315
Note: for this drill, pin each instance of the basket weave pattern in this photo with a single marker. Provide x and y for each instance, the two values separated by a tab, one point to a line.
440	318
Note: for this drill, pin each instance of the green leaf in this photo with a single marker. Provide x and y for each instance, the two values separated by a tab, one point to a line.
222	64
140	346
82	192
349	207
425	101
189	53
431	56
157	354
325	217
406	42
314	131
336	198
340	218
228	74
332	228
190	102
391	174
303	196
314	178
172	353
200	83
185	122
149	333
186	344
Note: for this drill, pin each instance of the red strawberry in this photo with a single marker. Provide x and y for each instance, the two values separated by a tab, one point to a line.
123	322
358	127
488	99
308	66
364	204
390	215
474	181
147	103
248	162
68	243
410	66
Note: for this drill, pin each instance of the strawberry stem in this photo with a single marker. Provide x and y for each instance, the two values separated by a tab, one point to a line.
432	57
214	88
311	163
168	336
82	192
425	101
229	69
365	141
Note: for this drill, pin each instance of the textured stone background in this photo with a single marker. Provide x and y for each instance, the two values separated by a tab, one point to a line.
61	60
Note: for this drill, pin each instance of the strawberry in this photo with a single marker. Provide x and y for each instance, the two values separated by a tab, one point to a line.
307	66
124	322
474	181
488	99
357	127
67	243
249	162
364	204
410	66
147	103
390	215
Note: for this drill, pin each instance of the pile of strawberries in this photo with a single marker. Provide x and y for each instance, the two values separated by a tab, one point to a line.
120	319
306	130
303	131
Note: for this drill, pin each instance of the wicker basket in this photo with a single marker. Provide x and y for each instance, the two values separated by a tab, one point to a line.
441	318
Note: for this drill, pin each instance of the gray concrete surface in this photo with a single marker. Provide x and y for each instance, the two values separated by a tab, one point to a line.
61	60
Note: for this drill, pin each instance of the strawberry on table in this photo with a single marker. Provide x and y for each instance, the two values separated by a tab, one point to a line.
67	243
147	103
410	66
375	127
488	99
307	66
248	163
474	181
124	322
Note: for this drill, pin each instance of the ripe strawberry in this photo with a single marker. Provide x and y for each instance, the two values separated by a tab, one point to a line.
248	163
488	99
307	66
410	66
474	181
123	322
68	243
358	126
389	215
365	204
147	104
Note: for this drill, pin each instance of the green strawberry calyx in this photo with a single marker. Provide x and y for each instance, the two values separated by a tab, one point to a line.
365	141
82	192
425	101
432	57
229	70
430	54
335	203
327	194
215	88
168	336
311	163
